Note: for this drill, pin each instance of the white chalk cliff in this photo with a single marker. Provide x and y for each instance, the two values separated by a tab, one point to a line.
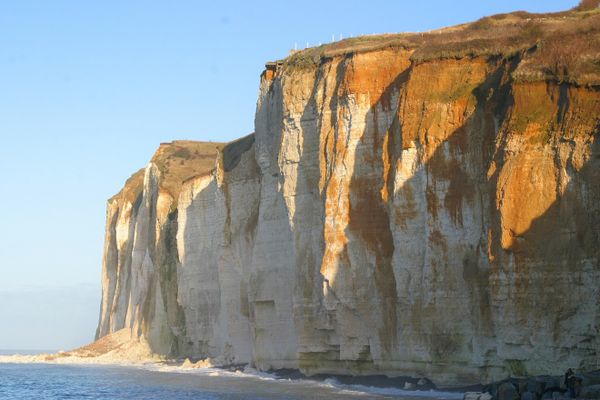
399	210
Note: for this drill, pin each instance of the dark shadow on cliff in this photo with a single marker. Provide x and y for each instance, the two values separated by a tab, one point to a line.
319	322
169	320
121	260
309	239
556	261
268	275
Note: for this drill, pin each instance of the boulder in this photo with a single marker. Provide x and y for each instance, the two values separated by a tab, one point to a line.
590	378
425	383
521	385
528	396
536	385
507	391
492	388
549	381
590	392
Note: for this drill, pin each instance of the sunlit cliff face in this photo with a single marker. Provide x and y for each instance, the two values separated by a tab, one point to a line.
389	216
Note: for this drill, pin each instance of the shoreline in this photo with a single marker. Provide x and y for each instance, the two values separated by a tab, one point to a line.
375	384
135	354
185	365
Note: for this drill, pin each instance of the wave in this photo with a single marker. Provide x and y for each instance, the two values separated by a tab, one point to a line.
350	389
391	391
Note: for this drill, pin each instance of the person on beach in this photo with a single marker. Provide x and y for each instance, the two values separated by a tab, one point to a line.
571	383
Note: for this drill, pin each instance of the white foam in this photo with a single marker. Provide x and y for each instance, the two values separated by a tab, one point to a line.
390	391
332	383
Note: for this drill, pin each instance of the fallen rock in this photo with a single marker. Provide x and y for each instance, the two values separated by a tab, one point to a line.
590	392
558	396
528	396
507	391
521	385
424	382
536	386
590	378
492	388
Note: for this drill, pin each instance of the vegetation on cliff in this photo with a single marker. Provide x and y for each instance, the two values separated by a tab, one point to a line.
562	46
177	162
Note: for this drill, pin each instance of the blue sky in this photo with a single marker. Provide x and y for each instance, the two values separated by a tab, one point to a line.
88	90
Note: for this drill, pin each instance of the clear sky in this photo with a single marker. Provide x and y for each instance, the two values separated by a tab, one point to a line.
88	90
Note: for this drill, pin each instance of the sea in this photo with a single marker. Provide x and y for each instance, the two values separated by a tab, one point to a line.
41	381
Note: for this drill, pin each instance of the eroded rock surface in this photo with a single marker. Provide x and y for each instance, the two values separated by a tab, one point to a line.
390	215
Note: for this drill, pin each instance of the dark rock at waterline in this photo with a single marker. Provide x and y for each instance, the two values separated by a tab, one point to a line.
590	392
529	396
491	388
535	386
543	387
380	381
287	373
555	395
494	387
424	383
590	378
552	390
410	386
508	391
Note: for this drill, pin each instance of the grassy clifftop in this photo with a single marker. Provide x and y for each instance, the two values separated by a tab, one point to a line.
562	46
181	160
177	162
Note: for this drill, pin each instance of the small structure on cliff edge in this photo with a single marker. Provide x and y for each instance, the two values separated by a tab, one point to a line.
270	69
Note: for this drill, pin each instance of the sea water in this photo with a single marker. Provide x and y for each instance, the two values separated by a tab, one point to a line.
59	381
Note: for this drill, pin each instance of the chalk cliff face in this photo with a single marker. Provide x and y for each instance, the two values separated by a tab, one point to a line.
393	213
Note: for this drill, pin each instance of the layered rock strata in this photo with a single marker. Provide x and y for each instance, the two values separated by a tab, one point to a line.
393	213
